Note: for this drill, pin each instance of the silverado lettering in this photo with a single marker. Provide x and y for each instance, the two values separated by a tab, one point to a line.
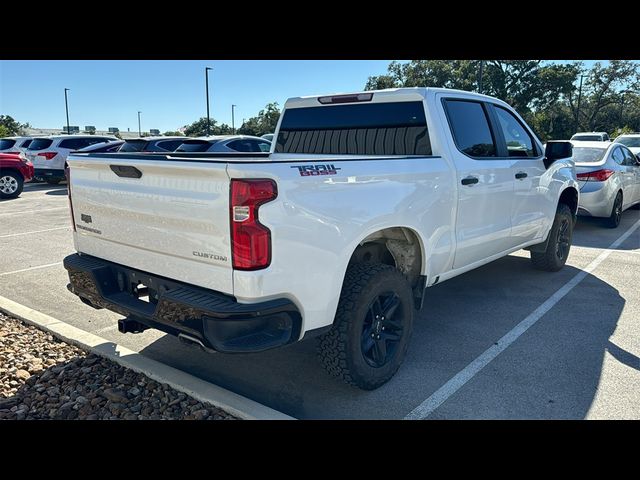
312	170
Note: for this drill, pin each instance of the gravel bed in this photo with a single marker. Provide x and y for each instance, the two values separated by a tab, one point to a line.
44	378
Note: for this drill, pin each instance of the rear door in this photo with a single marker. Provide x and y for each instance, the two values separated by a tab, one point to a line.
627	176
528	205
485	183
166	217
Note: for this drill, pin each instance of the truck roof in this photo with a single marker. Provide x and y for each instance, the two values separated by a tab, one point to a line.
404	94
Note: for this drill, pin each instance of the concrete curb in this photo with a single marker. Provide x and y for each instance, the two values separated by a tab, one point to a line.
201	390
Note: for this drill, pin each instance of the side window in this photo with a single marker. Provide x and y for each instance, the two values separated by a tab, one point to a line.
629	158
519	142
470	127
26	143
170	145
618	156
605	137
264	146
242	146
72	144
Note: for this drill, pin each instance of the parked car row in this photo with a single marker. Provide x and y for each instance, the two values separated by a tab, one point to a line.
608	174
49	154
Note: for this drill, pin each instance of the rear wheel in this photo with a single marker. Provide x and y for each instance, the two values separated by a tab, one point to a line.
559	244
372	328
11	185
616	212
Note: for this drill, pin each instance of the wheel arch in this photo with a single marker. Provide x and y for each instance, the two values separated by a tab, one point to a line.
569	197
398	246
13	170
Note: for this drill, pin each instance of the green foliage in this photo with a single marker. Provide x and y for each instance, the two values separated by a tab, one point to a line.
4	131
544	94
199	128
172	134
11	126
265	122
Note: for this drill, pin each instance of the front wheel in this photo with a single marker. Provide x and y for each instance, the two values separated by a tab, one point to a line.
372	327
11	185
559	244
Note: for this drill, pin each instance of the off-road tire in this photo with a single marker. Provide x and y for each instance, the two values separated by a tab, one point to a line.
551	260
341	349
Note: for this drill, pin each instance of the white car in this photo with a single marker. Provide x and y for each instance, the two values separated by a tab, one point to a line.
14	144
367	199
591	137
48	154
631	141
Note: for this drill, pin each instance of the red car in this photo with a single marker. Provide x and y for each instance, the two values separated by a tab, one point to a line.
15	170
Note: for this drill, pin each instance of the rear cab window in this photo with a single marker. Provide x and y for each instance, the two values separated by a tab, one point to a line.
394	128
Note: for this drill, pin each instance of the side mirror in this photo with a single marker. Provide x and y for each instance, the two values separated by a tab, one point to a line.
555	150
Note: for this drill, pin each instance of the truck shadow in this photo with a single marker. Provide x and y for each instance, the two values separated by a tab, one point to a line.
593	233
551	371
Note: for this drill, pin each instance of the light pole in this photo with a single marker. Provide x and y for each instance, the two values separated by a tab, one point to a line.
233	123
139	129
579	100
480	76
66	106
206	75
622	99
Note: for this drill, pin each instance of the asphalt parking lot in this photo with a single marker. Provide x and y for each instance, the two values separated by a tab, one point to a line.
469	356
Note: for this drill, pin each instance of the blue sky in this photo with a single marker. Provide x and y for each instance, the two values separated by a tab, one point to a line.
169	94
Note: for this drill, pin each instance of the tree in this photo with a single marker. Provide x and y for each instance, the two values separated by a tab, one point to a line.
11	126
4	131
199	128
603	88
172	134
545	94
265	122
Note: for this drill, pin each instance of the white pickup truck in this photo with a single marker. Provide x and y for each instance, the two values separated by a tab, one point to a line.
365	200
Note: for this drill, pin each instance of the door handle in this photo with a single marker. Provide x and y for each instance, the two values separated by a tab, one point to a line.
521	175
469	181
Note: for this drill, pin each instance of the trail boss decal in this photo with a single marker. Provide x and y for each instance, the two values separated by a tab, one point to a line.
312	170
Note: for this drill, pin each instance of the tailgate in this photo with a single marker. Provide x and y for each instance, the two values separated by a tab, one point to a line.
169	218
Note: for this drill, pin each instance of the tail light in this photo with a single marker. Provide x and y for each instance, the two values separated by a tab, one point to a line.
596	176
67	174
48	155
250	240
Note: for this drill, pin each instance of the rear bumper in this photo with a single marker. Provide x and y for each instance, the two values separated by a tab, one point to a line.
217	320
596	200
49	173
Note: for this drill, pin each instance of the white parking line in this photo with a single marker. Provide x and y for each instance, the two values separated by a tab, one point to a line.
35	231
32	211
441	395
30	268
